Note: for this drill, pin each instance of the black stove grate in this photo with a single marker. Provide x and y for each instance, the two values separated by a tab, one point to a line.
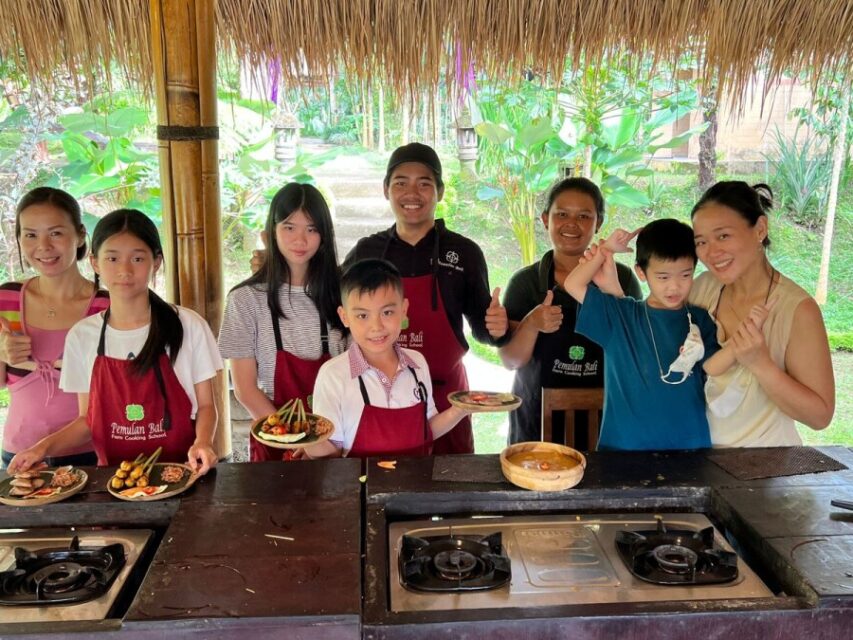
454	563
61	576
676	556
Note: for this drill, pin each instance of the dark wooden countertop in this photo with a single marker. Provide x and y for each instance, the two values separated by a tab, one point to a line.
218	572
218	568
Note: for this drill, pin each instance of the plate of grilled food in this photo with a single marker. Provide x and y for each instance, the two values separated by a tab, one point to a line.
38	486
291	427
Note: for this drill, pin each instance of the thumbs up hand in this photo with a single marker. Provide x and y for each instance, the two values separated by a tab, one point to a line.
13	348
259	256
496	320
545	317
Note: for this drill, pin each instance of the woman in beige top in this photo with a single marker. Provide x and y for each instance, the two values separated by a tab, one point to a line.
783	373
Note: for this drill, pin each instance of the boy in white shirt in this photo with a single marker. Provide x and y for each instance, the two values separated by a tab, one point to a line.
377	394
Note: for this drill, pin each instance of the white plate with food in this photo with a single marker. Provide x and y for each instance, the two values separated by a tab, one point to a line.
291	427
37	487
484	401
162	480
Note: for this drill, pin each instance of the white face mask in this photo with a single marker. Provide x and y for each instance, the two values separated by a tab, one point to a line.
689	354
723	400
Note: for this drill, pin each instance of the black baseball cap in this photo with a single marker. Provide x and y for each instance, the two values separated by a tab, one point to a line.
415	152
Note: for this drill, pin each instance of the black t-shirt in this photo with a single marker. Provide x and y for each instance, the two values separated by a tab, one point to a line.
564	359
460	268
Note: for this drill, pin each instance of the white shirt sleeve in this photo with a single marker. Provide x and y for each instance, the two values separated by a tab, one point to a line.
327	400
77	358
201	345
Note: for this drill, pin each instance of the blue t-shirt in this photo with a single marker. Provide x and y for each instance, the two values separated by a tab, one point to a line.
640	410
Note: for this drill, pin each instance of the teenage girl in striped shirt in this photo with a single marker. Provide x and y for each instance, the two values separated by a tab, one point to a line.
281	324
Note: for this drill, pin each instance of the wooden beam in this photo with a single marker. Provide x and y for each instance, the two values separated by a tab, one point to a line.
184	59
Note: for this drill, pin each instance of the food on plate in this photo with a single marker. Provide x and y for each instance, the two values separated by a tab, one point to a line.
292	423
64	477
31	483
486	398
543	460
134	474
172	474
43	493
136	492
24	484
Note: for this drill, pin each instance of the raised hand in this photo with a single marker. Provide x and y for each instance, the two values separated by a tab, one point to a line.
617	242
13	348
545	317
496	319
259	256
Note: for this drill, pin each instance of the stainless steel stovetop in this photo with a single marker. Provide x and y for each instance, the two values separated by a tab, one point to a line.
133	541
560	560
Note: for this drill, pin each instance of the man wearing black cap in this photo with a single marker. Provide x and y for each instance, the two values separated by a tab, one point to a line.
444	276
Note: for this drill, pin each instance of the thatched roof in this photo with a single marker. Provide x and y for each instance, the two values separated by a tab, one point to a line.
409	42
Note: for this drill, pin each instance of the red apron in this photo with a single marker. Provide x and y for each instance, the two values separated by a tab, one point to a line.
294	378
430	332
131	414
392	432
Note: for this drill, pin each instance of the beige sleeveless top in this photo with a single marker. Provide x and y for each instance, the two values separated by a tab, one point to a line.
740	414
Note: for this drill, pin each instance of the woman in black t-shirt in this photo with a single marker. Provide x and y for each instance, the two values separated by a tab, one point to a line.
544	349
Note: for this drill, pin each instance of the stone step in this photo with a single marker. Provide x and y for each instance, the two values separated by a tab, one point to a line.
362	209
355	187
355	229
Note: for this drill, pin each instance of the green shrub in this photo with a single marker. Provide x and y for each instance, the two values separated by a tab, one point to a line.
801	176
841	341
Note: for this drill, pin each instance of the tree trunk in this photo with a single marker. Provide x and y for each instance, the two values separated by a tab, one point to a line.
838	161
184	51
369	116
333	103
381	131
708	139
407	120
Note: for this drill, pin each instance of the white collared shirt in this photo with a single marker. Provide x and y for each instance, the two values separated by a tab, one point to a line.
337	395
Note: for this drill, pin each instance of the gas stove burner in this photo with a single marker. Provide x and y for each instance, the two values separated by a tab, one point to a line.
453	563
456	564
676	557
61	576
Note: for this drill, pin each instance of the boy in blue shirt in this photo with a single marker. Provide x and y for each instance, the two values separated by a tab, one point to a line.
654	349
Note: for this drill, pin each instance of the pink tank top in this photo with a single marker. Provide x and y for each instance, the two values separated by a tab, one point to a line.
38	407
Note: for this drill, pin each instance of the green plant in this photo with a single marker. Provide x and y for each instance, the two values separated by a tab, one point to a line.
521	151
841	341
801	176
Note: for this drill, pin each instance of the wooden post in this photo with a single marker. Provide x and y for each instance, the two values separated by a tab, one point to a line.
184	57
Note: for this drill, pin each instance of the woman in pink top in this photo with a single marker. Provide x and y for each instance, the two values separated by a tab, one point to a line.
35	316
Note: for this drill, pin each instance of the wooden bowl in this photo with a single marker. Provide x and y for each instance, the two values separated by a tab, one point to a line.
539	479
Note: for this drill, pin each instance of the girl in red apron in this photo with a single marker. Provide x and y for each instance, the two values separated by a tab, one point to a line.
281	324
143	368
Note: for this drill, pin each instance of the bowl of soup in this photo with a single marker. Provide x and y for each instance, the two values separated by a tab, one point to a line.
542	466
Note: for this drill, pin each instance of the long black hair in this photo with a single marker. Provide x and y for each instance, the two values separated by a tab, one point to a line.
166	329
322	284
58	198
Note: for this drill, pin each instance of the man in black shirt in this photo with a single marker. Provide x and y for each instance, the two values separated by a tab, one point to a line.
445	278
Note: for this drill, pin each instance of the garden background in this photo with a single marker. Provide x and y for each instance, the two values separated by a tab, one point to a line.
647	133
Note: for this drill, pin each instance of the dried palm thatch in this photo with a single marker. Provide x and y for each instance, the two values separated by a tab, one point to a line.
410	42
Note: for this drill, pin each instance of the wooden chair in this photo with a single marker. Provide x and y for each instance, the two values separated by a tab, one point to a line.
571	401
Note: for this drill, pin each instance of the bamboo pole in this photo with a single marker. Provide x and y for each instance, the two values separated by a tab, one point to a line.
184	62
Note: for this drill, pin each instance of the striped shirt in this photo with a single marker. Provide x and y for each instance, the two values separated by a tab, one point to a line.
247	329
